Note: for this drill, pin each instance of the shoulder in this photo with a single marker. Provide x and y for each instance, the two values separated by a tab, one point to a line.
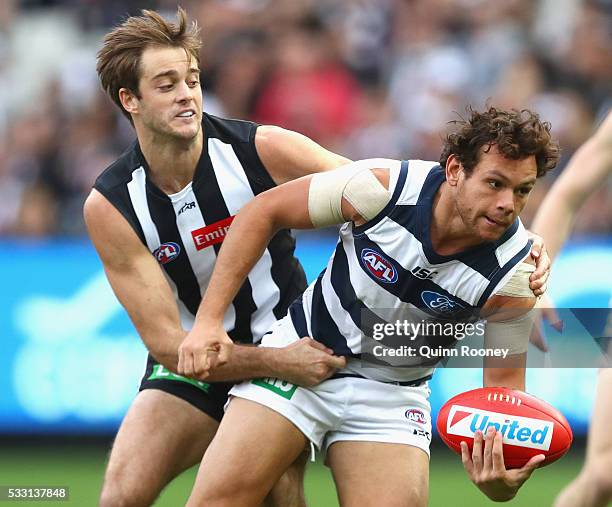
120	171
229	130
114	238
100	212
513	246
421	180
288	155
269	138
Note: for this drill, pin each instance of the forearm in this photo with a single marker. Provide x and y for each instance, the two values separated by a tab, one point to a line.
586	171
149	302
509	372
244	244
248	362
554	223
163	346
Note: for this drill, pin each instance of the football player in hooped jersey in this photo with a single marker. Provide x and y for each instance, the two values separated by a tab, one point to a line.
157	217
457	219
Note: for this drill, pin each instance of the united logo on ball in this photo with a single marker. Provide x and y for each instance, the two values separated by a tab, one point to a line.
529	426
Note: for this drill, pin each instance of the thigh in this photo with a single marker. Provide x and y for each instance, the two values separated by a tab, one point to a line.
254	445
370	474
160	436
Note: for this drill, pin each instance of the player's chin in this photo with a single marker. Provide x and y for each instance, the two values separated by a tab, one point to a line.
186	132
490	235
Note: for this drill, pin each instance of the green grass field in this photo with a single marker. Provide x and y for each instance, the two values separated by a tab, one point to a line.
80	468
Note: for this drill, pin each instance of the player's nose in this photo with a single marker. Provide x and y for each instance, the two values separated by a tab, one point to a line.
505	202
184	92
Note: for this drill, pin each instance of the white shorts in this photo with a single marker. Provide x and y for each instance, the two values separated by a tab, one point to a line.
345	409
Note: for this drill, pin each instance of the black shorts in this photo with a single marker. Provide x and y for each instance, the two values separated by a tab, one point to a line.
210	398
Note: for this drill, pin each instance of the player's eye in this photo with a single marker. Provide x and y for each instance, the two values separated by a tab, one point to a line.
193	83
494	184
524	191
165	87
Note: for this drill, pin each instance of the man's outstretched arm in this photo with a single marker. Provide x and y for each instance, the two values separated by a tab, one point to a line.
509	320
142	289
287	206
585	172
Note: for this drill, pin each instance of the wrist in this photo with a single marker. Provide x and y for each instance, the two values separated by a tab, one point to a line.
272	362
208	323
499	496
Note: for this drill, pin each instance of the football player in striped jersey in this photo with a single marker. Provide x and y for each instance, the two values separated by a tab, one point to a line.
439	241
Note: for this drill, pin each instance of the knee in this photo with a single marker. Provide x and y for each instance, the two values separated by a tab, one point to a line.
289	489
418	497
226	494
112	498
120	493
287	492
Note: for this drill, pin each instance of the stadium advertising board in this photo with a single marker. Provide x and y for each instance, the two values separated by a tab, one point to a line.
72	360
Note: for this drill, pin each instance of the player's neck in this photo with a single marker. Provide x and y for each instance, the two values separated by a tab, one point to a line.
448	232
172	164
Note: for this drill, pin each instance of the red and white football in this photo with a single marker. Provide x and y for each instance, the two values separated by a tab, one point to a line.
529	425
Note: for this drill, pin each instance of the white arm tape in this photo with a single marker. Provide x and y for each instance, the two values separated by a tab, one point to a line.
518	285
510	334
357	185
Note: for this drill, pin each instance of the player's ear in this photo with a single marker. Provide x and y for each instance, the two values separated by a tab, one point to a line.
453	169
129	101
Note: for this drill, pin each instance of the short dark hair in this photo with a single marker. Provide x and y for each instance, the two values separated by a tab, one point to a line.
517	135
119	59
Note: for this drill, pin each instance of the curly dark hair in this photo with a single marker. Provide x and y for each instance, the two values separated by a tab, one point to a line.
517	135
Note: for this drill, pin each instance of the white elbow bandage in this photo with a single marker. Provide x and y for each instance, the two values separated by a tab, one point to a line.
512	334
358	185
518	285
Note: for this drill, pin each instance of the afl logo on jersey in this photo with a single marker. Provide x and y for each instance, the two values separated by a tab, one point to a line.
439	302
167	252
379	267
415	415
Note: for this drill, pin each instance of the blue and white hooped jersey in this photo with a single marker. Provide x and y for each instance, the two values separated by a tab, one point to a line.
388	265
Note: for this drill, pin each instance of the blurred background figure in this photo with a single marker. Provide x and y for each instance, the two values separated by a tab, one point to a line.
586	171
365	78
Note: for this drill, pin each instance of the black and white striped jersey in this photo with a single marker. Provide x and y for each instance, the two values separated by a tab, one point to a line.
388	267
184	231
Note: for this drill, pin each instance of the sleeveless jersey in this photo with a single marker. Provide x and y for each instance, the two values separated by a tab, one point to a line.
184	231
388	266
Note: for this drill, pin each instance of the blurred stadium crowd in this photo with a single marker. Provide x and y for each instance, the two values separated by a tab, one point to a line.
365	78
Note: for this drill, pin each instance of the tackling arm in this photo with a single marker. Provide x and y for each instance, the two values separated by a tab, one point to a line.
142	289
286	206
